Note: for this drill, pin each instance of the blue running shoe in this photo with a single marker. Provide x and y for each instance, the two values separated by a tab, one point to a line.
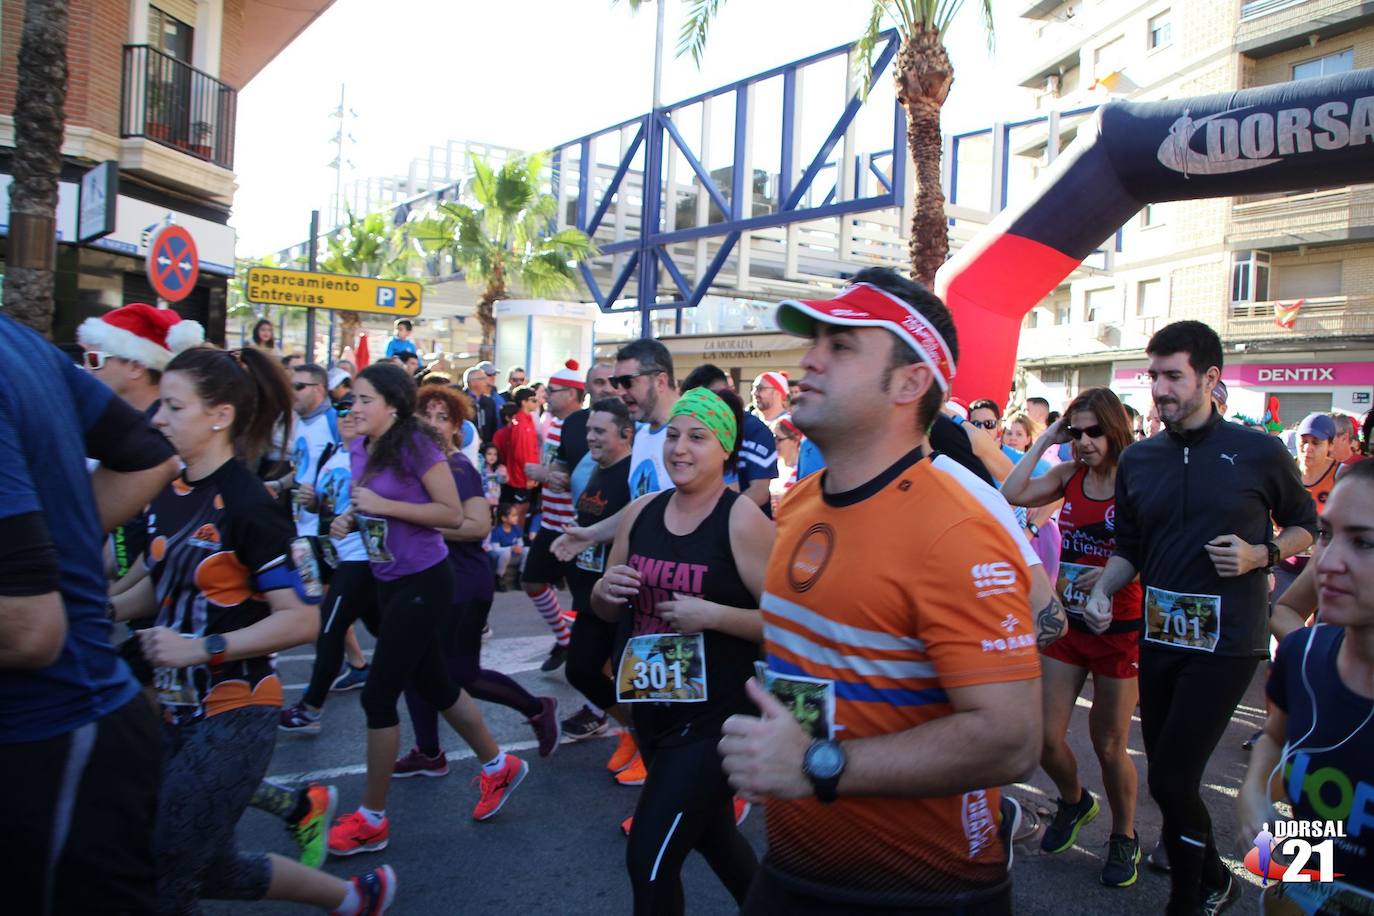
351	678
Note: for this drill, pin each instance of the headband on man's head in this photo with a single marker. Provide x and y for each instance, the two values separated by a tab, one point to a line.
707	408
865	305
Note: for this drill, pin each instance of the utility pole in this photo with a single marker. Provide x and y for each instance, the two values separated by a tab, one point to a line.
310	313
652	197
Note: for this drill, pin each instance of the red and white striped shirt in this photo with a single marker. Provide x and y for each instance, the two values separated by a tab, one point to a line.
558	506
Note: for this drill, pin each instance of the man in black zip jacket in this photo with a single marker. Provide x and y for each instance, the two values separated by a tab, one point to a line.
1193	510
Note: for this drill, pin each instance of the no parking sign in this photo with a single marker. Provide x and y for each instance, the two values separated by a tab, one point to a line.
173	263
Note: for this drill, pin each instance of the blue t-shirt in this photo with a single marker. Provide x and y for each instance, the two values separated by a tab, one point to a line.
500	537
809	459
1042	466
396	346
47	408
1334	778
758	452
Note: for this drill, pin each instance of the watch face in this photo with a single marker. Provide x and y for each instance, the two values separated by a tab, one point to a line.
825	760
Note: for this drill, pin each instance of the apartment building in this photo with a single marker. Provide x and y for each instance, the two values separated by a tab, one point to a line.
1230	262
153	87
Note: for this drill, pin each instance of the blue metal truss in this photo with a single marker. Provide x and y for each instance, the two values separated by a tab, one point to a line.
657	134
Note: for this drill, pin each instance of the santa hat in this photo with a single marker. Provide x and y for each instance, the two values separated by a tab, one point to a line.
775	380
568	377
141	333
957	406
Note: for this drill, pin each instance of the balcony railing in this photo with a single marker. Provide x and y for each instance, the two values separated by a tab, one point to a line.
1330	316
1331	215
176	105
1254	9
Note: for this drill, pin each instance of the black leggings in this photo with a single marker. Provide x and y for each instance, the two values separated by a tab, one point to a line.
593	641
1186	702
352	595
462	641
408	652
686	804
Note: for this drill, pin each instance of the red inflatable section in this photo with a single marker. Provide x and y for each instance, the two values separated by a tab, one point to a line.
988	298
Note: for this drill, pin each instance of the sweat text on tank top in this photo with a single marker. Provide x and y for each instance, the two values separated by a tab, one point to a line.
699	564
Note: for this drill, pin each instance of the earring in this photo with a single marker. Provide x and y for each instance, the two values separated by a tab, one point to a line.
217	428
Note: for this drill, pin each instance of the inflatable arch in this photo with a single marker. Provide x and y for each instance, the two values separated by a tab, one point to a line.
1300	135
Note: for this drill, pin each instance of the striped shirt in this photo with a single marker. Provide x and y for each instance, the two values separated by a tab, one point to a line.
558	505
895	592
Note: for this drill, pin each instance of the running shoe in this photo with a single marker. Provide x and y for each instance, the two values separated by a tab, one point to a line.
350	678
634	774
1010	810
487	631
1158	859
1063	830
584	724
376	890
298	721
626	824
311	832
1249	743
1217	901
625	753
496	789
1123	855
557	656
352	834
418	763
546	726
742	809
570	617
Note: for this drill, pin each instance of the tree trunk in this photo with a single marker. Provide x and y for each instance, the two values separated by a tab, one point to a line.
924	76
37	163
486	315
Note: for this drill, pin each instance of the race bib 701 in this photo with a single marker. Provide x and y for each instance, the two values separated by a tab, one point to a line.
1181	620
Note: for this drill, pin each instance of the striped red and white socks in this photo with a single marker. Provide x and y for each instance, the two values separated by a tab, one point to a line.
546	603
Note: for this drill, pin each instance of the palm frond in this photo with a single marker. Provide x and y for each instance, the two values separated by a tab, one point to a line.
691	39
865	47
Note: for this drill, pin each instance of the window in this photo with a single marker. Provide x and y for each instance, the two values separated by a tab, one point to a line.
1152	215
1097	304
1063	311
1340	62
1109	58
1308	281
1032	319
1250	276
170	35
1161	30
1149	298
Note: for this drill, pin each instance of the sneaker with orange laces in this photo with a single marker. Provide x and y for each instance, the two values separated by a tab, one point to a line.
625	752
496	789
352	834
634	774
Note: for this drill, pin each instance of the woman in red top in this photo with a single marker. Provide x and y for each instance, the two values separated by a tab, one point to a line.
518	443
1097	425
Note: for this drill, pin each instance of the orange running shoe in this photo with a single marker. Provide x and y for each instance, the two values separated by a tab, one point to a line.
352	834
742	809
496	789
625	752
634	774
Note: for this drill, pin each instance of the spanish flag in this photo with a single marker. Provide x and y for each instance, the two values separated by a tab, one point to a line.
1285	316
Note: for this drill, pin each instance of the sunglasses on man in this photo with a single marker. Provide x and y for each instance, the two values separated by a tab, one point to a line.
301	386
94	360
989	425
624	381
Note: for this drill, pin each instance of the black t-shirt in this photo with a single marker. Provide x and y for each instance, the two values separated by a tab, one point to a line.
606	493
948	438
129	540
572	442
210	541
1335	784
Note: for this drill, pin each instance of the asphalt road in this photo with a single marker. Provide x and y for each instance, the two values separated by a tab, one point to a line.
556	848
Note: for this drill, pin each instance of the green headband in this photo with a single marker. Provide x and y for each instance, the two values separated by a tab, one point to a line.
706	407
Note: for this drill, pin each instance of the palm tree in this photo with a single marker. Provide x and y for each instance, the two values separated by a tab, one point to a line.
37	162
923	75
367	246
508	240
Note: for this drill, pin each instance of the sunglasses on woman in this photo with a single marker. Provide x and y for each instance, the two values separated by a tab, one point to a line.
1092	432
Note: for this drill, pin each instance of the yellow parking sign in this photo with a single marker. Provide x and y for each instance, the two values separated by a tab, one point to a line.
304	289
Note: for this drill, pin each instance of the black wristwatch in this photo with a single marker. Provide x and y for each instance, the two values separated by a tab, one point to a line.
824	764
1274	555
216	645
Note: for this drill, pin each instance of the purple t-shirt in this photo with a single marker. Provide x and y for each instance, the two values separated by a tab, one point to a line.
398	548
471	572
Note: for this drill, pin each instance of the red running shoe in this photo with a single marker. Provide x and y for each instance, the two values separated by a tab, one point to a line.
496	789
352	834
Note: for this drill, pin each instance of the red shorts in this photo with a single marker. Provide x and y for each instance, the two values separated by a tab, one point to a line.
1110	654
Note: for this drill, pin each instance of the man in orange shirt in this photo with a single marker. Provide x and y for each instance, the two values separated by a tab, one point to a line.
897	628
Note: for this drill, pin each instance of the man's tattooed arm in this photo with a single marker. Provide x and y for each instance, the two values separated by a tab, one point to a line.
1050	623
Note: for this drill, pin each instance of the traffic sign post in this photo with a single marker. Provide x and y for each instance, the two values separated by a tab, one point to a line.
173	263
341	292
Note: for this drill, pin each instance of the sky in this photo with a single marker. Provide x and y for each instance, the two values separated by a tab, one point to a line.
525	75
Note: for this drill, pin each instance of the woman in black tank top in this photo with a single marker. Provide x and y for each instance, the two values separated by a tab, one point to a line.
688	566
